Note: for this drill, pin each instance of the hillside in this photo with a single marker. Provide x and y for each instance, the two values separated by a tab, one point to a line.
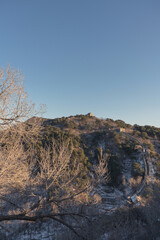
118	162
123	143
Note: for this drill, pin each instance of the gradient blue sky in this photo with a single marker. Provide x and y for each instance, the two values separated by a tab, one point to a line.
80	56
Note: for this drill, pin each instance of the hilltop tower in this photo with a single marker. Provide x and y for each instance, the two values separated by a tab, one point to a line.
90	115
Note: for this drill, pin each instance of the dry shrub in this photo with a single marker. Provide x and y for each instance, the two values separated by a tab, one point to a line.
97	198
135	182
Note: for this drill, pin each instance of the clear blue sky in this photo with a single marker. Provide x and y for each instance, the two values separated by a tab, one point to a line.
80	56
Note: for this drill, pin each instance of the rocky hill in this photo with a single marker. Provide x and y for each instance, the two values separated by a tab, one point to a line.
122	163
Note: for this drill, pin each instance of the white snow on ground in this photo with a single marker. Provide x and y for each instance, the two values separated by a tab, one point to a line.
104	237
112	198
45	231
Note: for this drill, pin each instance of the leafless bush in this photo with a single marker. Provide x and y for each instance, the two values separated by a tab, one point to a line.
101	169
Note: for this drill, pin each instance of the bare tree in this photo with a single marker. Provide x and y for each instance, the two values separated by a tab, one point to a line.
15	109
